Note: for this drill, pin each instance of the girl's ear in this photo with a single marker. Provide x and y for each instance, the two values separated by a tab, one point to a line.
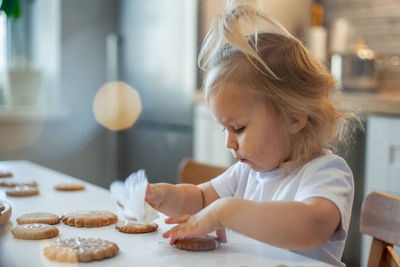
297	122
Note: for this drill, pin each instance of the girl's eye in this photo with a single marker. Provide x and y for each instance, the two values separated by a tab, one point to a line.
239	130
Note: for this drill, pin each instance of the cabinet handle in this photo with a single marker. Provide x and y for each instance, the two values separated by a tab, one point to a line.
394	154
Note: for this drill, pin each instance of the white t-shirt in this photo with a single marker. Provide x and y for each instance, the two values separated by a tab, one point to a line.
326	176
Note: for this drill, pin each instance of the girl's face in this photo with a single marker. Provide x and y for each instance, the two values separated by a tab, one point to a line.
253	133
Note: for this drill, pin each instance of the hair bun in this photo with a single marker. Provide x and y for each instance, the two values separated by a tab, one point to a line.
240	19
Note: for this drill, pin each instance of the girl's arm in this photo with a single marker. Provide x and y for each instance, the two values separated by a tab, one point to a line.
287	224
174	200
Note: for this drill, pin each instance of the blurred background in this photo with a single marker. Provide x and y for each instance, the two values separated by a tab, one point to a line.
56	54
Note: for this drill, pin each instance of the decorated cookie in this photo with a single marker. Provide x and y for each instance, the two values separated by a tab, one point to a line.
80	249
69	187
89	218
5	173
131	227
34	231
22	191
198	243
38	217
12	182
5	211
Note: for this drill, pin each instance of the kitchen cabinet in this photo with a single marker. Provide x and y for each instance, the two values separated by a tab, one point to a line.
382	165
383	154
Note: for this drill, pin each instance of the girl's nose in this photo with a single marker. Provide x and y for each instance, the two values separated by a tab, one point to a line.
231	142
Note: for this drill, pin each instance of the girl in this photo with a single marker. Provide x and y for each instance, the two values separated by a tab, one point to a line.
274	101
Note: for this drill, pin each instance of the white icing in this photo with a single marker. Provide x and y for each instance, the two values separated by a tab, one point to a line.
131	194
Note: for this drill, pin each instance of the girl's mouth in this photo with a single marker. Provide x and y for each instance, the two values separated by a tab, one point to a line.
237	157
241	159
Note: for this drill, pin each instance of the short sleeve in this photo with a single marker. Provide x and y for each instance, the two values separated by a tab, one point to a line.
226	184
330	178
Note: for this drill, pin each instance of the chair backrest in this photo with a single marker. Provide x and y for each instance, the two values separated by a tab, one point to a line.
192	172
380	218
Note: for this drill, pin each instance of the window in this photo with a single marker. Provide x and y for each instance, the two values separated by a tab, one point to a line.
30	55
3	55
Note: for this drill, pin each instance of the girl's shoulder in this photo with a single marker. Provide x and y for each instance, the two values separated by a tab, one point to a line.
327	156
328	161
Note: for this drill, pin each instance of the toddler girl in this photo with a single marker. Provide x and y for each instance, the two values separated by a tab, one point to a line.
274	101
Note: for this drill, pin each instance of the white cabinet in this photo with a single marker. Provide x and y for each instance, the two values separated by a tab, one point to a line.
383	154
382	166
209	140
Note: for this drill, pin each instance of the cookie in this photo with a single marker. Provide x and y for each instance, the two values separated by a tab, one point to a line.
131	227
38	217
89	218
5	174
80	249
22	191
69	187
11	182
5	211
198	243
34	231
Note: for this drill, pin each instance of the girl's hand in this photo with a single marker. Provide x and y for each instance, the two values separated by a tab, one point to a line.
153	196
200	224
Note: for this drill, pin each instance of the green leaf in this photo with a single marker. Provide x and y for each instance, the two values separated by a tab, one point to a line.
12	8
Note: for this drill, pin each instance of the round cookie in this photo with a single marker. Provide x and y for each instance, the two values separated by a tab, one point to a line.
131	227
200	243
80	249
89	218
22	191
34	231
69	187
11	182
5	211
38	217
5	174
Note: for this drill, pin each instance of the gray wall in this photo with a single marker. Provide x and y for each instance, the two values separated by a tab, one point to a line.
75	144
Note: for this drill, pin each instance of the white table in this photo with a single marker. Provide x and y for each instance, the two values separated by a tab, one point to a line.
135	250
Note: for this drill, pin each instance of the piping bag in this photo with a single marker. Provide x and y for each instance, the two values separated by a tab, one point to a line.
131	194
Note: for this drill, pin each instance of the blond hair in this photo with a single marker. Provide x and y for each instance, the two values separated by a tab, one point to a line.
277	68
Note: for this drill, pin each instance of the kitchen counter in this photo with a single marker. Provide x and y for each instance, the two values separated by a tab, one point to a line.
139	250
370	103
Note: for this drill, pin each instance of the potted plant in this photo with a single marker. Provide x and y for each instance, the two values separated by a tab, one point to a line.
11	8
23	80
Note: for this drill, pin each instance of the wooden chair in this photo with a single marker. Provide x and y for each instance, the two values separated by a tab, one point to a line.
192	172
380	218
